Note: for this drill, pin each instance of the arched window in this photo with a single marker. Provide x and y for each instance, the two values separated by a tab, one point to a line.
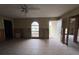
35	29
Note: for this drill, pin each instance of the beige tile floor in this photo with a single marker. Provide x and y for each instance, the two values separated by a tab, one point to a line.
50	46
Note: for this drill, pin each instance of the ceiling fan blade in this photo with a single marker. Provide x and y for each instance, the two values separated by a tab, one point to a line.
22	10
33	8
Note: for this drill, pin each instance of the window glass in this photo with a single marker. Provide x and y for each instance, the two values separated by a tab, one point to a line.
35	29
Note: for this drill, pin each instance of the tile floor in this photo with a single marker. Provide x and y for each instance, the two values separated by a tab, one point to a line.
37	47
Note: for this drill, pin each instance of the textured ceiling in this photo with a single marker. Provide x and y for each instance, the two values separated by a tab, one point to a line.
50	10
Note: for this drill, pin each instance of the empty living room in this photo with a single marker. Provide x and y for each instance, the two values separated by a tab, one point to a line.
39	29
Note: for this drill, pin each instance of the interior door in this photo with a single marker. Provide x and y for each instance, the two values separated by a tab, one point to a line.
8	29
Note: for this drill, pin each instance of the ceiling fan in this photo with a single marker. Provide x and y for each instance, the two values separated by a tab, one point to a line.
25	8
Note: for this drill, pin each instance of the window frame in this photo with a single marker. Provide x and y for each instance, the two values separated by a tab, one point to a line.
33	27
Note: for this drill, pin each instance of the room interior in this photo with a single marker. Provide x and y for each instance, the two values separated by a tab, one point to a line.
39	29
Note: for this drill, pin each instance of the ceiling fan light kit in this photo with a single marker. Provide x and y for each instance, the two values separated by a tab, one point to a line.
25	8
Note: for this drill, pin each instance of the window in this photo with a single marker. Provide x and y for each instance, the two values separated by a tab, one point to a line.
35	29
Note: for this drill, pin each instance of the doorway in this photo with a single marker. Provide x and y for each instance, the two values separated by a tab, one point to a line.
8	30
55	29
50	29
78	36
